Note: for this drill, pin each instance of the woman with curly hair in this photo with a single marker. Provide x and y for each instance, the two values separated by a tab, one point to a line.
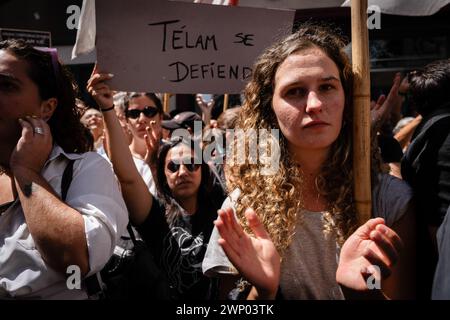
300	239
60	206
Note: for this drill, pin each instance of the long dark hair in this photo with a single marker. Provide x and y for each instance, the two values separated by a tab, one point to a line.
53	81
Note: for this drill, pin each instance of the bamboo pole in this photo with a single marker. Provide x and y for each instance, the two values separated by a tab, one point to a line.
361	117
166	102
226	98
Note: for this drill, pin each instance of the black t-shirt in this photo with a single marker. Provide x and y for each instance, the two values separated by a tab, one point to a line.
178	242
426	166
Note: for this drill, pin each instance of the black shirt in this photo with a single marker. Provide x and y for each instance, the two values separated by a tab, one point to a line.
178	242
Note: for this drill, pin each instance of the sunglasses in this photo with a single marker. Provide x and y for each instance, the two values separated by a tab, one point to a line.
174	167
149	112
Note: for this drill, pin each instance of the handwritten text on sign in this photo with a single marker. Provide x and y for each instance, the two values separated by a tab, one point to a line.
181	47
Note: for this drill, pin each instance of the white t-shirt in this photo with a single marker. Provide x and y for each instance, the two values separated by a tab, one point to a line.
94	192
146	174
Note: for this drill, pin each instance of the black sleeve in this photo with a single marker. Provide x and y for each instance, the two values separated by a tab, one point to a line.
155	227
443	164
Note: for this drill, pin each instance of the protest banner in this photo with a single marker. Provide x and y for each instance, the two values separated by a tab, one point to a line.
164	46
32	37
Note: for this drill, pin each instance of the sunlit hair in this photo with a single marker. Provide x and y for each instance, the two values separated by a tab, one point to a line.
277	198
66	129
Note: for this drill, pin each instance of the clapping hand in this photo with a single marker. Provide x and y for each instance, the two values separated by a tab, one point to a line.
255	257
371	248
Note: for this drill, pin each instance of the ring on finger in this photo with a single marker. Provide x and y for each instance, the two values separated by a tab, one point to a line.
39	130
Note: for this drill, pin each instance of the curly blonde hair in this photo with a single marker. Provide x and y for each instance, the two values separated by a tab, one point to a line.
277	198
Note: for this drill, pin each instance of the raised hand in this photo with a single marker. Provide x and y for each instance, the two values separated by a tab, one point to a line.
34	146
99	90
388	108
256	257
152	143
373	244
206	108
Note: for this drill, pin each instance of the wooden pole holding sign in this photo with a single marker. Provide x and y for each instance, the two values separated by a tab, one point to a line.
226	98
361	105
166	99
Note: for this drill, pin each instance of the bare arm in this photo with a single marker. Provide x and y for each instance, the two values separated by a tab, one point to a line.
401	283
405	134
137	197
47	216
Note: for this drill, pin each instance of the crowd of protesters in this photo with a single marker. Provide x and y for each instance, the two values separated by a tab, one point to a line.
75	179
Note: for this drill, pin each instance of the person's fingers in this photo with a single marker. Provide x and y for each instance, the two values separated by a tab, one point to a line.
27	129
384	245
396	85
91	80
37	124
94	70
233	222
364	230
380	101
381	262
155	132
234	233
152	132
102	92
393	237
222	217
97	78
100	86
256	225
226	232
231	252
150	140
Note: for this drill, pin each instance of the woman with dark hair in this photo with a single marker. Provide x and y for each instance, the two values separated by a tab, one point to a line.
178	224
301	239
61	209
141	109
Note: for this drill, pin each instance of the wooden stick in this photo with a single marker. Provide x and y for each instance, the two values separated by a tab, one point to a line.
225	101
166	102
361	117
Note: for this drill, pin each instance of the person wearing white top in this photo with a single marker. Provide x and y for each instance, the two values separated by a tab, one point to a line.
44	239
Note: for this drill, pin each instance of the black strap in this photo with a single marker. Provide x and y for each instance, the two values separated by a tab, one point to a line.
66	179
131	232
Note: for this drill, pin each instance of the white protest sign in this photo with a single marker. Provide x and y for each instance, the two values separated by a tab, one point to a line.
164	46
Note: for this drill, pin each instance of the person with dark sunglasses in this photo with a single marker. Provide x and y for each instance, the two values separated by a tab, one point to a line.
147	111
143	113
177	225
